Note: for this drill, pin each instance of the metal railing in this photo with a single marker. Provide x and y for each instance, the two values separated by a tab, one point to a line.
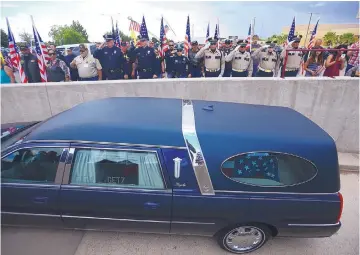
306	51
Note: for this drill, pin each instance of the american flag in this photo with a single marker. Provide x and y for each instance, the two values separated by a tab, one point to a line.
207	33
249	38
117	36
143	29
163	42
313	34
41	53
253	165
134	26
187	37
166	28
14	54
291	33
216	36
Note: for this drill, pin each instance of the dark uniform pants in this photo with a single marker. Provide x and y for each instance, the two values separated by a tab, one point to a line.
240	74
264	74
212	74
196	73
291	73
114	74
145	75
227	73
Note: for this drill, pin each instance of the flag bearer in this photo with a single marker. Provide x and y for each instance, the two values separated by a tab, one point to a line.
214	60
268	60
294	59
241	61
226	51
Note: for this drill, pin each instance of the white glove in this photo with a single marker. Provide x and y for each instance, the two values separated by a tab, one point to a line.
220	75
207	46
237	47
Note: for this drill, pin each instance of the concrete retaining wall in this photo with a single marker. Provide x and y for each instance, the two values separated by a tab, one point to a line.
331	103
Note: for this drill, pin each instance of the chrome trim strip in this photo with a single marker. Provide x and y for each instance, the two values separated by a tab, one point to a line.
190	222
61	167
30	147
30	184
72	151
68	163
283	193
267	186
32	214
106	143
193	147
314	225
114	219
108	188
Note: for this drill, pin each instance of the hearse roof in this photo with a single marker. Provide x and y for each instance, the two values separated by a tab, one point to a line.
155	121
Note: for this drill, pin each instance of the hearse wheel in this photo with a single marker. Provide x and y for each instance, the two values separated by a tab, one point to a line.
243	238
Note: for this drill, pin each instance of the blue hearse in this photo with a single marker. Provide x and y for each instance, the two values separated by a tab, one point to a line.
242	173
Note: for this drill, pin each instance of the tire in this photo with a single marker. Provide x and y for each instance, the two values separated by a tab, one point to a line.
259	233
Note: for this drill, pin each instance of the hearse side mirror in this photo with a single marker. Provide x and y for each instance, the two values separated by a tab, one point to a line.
177	162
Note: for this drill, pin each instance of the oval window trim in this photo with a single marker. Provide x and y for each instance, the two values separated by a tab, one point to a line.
270	186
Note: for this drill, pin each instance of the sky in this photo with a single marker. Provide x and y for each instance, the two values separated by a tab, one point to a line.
234	17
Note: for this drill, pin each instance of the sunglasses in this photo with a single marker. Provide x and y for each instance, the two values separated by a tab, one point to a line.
171	45
212	43
82	51
51	54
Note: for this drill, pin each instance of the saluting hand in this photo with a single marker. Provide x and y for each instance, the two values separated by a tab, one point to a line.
189	76
154	76
126	77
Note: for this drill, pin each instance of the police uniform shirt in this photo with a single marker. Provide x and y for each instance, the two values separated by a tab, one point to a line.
87	67
111	58
241	61
293	60
180	65
169	55
146	59
267	61
212	60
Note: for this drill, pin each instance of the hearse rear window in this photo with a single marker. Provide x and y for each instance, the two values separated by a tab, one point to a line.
268	169
116	168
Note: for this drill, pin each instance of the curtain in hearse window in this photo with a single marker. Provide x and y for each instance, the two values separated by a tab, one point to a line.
268	169
116	168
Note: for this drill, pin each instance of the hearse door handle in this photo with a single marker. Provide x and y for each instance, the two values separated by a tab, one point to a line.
40	200
151	205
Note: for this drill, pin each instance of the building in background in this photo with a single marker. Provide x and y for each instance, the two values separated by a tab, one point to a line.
322	29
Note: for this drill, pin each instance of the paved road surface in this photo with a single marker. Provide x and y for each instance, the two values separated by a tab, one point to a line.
20	241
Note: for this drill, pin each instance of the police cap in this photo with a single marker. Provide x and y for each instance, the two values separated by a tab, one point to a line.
194	43
82	47
227	41
179	47
108	37
296	39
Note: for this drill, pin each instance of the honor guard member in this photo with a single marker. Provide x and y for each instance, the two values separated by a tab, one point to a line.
180	64
241	61
145	60
213	60
169	54
194	64
159	63
267	60
226	51
127	55
294	59
113	61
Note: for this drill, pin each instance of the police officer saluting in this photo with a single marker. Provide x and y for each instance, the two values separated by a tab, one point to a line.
180	64
214	60
268	60
294	59
145	61
168	58
226	51
112	60
194	65
240	60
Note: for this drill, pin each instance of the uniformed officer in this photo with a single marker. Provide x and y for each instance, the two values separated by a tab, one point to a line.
268	60
194	64
180	64
145	60
159	63
226	51
112	60
170	53
214	60
241	61
294	59
127	55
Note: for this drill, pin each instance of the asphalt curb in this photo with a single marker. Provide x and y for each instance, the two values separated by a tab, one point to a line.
348	161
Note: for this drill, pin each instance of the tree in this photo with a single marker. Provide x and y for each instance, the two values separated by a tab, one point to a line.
66	35
347	38
26	37
330	38
80	29
4	39
280	39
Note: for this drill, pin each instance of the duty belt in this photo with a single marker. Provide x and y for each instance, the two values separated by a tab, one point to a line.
291	69
145	70
212	70
265	70
239	70
117	70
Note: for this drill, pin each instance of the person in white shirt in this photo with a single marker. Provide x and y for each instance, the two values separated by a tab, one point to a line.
89	68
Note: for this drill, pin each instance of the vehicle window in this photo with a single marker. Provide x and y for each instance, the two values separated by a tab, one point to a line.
268	169
37	165
116	168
